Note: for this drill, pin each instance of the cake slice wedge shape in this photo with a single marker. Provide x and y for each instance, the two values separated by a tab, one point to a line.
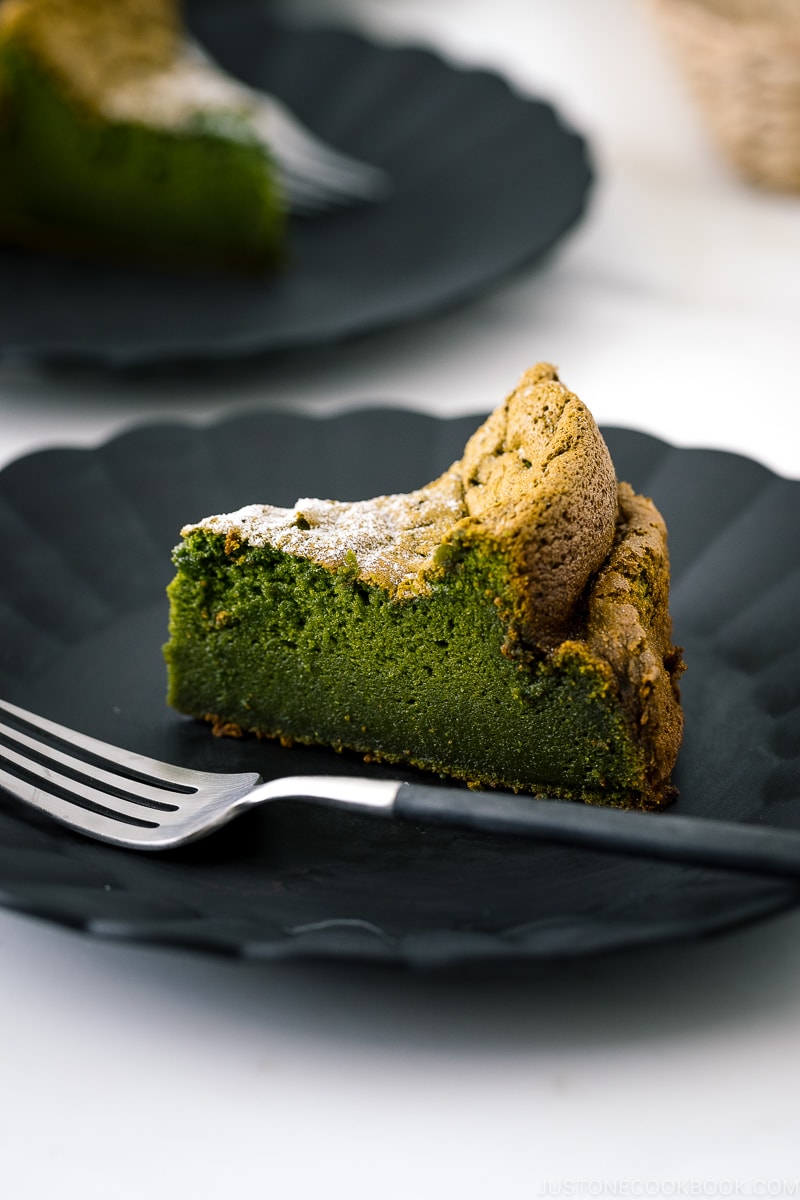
506	625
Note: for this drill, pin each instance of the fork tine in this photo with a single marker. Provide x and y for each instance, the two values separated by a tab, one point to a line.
330	180
301	153
307	198
136	767
303	198
95	817
44	785
33	755
315	175
110	793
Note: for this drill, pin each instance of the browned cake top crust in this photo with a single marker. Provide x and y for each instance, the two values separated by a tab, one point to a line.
540	486
127	61
628	624
97	46
535	484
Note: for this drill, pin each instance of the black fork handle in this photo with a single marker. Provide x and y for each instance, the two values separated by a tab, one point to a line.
695	841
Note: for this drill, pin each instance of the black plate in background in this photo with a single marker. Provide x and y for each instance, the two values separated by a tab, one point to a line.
86	537
485	182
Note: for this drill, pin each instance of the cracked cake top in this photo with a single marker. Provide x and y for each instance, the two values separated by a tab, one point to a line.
535	485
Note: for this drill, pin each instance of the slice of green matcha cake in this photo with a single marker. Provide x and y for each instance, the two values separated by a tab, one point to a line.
118	137
506	625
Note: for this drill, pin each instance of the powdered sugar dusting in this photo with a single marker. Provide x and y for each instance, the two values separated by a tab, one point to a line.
177	93
390	539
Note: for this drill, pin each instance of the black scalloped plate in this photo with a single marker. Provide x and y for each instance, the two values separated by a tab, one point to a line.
485	182
86	537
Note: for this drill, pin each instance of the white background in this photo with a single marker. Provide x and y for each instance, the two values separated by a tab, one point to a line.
128	1073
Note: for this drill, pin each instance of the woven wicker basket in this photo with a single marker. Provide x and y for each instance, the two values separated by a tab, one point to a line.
742	60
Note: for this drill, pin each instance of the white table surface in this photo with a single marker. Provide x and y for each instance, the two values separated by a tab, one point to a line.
129	1073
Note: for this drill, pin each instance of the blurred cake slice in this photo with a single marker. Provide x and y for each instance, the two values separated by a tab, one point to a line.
119	137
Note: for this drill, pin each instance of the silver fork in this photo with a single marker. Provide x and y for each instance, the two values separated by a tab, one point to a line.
129	800
314	176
